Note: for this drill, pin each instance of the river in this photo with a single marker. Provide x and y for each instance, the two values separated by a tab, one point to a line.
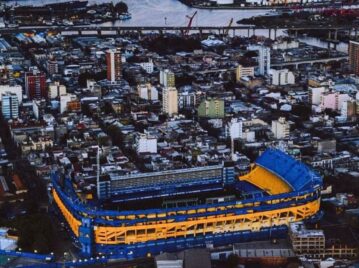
173	13
167	12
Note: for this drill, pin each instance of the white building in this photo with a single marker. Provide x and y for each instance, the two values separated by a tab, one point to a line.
7	242
56	90
167	78
282	77
170	101
277	2
90	84
280	128
316	94
234	129
16	89
285	44
72	69
94	87
64	100
249	135
264	60
224	2
147	66
147	92
146	144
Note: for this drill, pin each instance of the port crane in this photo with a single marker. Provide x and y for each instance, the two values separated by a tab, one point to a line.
228	27
190	22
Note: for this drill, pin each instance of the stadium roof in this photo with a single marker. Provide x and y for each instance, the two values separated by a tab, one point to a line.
296	174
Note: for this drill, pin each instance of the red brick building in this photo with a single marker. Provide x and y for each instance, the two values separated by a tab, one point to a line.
35	85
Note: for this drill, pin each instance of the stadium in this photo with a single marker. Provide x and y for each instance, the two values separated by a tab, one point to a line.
196	207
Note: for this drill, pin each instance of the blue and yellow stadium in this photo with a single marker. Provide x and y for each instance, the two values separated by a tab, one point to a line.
197	207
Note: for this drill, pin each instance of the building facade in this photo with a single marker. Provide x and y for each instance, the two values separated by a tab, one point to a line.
146	144
167	78
242	71
114	64
282	77
147	92
56	90
187	99
211	108
170	101
52	67
280	128
147	66
69	102
264	60
35	85
16	89
10	105
234	129
354	56
333	100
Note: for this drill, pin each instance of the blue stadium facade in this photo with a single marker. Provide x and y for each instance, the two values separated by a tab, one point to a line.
277	191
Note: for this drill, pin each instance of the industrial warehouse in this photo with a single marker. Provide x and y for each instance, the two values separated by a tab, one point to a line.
278	190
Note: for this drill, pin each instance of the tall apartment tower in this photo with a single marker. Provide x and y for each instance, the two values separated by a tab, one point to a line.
113	60
35	85
167	78
170	101
354	56
264	61
9	105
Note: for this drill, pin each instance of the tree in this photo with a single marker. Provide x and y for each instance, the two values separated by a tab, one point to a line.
4	210
232	260
41	244
121	7
83	77
250	54
171	44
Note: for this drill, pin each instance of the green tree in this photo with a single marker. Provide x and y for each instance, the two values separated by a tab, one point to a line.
121	7
41	244
232	260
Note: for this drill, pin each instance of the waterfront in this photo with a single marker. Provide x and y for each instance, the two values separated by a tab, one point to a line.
173	13
167	12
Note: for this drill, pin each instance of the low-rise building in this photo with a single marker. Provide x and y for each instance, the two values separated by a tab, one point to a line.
242	71
146	143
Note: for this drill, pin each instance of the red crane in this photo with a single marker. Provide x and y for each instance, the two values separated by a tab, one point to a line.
190	22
